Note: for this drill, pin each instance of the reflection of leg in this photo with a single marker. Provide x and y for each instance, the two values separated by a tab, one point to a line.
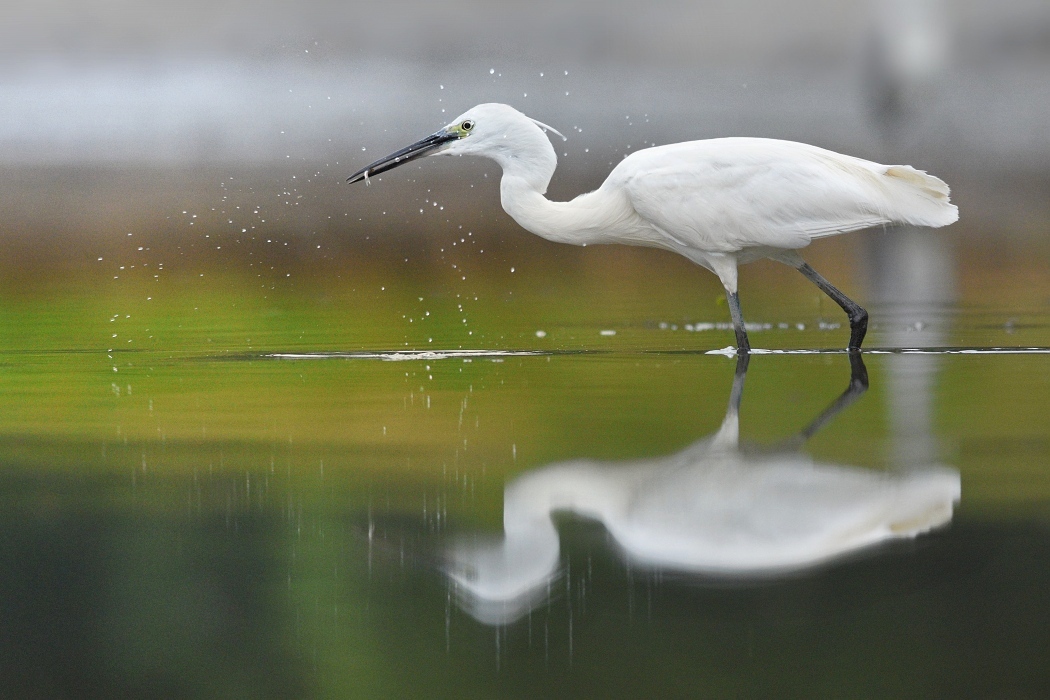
858	317
858	373
743	347
728	436
858	384
737	392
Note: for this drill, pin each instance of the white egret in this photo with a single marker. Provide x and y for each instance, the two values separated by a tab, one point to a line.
719	202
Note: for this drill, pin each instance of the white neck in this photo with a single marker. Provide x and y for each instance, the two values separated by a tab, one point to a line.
589	219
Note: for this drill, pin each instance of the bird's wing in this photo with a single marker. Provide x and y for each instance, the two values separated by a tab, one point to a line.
724	195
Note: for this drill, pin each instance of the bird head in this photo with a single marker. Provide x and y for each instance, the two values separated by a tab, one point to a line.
497	131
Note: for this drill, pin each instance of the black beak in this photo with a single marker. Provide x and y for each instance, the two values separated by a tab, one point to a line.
419	149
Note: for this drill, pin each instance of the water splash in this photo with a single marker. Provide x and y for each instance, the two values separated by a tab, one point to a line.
405	355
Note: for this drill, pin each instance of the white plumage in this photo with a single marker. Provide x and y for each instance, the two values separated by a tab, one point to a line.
719	202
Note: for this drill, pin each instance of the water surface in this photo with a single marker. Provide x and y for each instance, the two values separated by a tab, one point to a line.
314	523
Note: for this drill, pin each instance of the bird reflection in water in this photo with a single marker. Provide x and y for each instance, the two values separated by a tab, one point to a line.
715	509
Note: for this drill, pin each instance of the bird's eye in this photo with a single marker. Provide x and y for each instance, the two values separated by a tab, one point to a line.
467	125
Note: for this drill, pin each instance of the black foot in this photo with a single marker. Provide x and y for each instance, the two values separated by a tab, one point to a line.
858	327
858	317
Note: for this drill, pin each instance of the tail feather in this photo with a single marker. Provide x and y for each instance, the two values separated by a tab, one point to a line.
920	199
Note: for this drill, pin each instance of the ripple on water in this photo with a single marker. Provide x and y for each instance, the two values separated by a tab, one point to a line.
729	351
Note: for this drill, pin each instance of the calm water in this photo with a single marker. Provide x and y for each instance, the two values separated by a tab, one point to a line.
294	522
477	465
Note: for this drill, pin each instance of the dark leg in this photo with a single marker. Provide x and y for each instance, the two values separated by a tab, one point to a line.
737	393
743	347
858	317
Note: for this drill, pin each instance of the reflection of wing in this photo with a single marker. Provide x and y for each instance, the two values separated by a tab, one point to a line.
706	510
727	194
735	516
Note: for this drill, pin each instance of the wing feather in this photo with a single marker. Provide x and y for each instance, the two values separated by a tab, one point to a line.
725	195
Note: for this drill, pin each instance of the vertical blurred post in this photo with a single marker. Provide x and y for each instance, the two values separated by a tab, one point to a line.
905	57
913	270
914	282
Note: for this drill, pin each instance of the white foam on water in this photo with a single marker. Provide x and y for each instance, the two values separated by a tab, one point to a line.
728	351
958	351
405	355
731	351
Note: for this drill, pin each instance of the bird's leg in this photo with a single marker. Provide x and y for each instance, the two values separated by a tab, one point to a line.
858	317
724	265
743	347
